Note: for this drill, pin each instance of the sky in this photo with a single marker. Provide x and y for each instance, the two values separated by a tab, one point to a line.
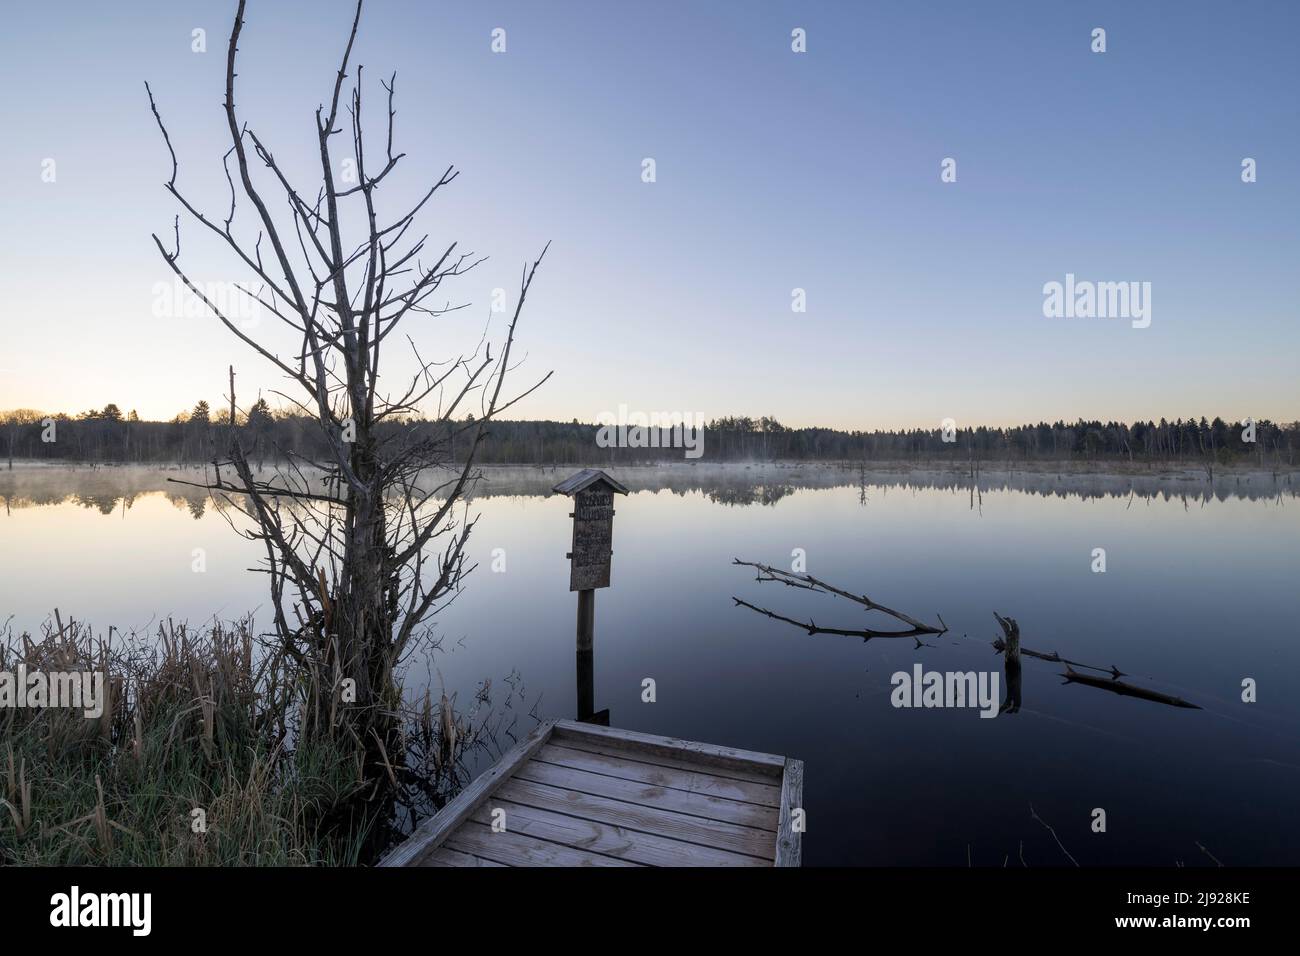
774	171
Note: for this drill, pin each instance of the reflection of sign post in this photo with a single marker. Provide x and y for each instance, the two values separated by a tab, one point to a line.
593	534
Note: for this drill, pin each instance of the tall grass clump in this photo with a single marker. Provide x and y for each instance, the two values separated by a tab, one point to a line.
195	760
206	754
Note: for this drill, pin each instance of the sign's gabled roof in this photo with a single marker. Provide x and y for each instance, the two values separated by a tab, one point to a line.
584	479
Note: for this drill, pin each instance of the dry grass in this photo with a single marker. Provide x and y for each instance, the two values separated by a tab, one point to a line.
212	722
193	762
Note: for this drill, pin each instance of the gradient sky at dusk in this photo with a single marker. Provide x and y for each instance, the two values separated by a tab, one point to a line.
775	171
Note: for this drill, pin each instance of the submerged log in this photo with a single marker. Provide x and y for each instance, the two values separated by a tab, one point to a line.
1116	686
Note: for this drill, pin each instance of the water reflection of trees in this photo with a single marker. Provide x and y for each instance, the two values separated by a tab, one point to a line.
748	494
743	485
107	489
106	503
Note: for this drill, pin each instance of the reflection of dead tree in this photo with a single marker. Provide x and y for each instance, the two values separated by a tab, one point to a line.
810	583
353	558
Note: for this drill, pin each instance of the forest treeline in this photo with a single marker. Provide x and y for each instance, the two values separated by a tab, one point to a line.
108	435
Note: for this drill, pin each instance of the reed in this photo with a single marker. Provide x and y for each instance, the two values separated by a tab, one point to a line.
194	760
206	754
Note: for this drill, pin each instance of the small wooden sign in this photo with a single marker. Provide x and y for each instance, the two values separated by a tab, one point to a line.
593	538
593	527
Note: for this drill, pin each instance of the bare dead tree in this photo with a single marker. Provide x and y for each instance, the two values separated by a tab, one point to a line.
358	551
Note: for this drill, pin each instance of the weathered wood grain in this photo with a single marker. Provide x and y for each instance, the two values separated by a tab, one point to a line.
606	838
678	826
632	791
706	754
789	845
445	856
516	849
631	754
691	781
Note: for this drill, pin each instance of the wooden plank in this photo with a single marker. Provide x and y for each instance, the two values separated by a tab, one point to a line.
516	849
763	794
707	754
678	826
789	845
608	839
711	808
430	834
445	856
683	762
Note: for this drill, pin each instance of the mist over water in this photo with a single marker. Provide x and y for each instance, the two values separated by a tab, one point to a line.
1198	594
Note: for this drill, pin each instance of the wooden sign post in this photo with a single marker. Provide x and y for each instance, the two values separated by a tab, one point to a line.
593	493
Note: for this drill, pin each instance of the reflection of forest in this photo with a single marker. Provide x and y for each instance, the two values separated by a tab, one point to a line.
749	495
110	489
195	503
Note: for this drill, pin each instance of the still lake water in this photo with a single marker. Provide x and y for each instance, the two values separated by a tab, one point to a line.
1199	593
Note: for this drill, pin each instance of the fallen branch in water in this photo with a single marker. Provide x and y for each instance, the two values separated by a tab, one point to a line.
812	627
1000	645
810	583
1113	684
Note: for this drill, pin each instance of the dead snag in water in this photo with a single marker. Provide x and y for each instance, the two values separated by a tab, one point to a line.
1011	648
1011	661
1000	645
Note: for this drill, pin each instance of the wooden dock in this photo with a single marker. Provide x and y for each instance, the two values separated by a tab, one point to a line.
574	794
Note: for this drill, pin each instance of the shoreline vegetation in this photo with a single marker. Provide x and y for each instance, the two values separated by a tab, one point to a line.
200	757
110	436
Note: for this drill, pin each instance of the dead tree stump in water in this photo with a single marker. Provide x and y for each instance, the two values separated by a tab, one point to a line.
1011	660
